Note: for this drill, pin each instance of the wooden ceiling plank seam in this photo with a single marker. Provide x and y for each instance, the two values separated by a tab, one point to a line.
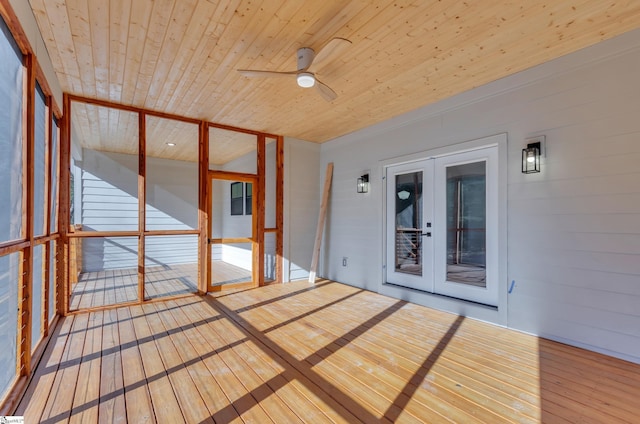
99	24
81	35
196	29
156	33
202	55
227	46
119	16
139	23
172	49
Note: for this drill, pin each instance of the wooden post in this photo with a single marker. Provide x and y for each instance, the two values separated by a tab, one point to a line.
203	209
25	317
258	200
64	216
279	209
321	219
142	172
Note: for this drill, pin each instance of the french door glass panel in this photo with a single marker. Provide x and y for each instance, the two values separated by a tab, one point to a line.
466	237
466	223
442	225
409	205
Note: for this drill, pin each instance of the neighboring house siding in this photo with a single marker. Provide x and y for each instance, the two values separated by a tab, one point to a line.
573	243
108	190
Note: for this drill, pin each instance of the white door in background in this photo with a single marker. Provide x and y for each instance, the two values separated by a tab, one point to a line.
442	225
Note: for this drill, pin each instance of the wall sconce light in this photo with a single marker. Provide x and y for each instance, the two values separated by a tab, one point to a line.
363	184
531	156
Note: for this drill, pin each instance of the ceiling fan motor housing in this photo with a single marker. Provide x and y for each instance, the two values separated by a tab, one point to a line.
305	57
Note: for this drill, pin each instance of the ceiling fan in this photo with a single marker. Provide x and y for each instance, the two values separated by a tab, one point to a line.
307	58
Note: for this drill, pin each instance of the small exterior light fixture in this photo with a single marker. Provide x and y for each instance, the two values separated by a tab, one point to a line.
403	195
306	79
531	156
170	144
363	184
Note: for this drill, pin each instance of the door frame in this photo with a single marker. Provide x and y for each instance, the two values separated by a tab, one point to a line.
257	229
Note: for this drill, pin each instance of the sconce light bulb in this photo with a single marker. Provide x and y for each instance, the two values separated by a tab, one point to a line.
531	157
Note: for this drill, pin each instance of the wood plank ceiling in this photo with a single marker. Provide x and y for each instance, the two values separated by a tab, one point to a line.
181	56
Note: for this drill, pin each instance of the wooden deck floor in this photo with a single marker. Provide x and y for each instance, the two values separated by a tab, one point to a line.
324	353
112	287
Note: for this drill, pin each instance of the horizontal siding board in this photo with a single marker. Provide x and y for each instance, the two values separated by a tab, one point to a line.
621	243
616	282
620	223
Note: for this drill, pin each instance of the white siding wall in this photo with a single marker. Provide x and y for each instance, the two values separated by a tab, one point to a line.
302	190
573	244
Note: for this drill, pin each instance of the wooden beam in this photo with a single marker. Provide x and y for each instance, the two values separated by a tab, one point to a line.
279	209
12	247
94	234
232	176
233	240
241	130
142	172
321	219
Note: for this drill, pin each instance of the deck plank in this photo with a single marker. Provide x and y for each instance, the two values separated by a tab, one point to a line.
87	394
112	408
137	398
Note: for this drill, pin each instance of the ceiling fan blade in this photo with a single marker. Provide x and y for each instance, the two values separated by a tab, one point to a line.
325	91
331	49
256	73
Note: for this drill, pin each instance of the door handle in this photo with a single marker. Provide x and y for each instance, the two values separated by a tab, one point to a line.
428	234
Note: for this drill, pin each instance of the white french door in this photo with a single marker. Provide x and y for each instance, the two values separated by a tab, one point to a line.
442	225
409	225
